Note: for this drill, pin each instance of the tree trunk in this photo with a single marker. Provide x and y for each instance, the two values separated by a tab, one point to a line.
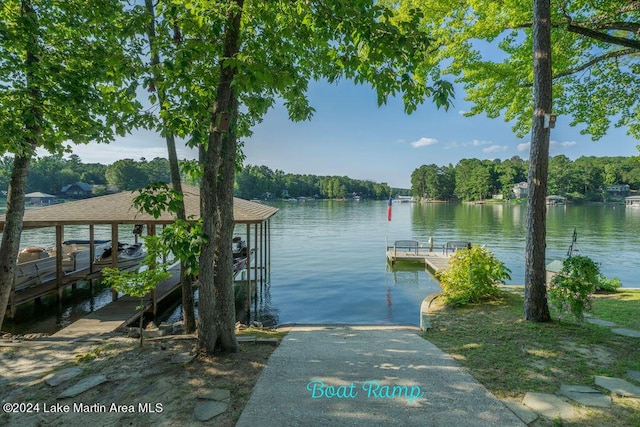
535	302
186	281
224	278
213	294
15	197
12	229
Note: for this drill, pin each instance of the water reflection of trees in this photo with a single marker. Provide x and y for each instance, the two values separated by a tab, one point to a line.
462	221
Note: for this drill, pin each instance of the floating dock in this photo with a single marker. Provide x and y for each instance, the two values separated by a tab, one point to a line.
435	261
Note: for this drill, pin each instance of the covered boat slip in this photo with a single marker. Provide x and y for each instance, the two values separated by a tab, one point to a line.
118	209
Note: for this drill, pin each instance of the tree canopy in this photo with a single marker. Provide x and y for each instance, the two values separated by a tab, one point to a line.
79	68
65	76
595	46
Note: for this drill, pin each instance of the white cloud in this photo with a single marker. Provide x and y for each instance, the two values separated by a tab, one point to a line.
558	147
472	143
524	146
568	143
495	148
478	143
423	142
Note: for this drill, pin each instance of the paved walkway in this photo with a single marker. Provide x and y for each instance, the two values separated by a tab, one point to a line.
351	375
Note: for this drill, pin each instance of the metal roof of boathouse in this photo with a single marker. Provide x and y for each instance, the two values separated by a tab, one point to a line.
118	208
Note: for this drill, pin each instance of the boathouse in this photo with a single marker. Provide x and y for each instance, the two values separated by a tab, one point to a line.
632	201
555	200
39	198
117	209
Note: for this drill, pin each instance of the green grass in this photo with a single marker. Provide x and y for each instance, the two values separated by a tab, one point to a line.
511	356
621	307
262	333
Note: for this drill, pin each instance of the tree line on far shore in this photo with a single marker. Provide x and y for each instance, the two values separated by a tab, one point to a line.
583	179
259	182
49	174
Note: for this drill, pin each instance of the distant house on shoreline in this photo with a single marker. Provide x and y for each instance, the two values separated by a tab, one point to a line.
619	190
77	190
521	190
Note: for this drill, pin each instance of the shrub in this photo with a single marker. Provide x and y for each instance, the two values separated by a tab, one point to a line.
473	276
608	285
571	289
140	283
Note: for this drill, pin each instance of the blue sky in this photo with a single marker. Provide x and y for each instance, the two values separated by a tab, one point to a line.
349	135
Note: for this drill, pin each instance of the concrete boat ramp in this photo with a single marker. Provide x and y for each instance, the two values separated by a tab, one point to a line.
368	375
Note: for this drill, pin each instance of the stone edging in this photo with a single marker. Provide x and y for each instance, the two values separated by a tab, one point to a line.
425	323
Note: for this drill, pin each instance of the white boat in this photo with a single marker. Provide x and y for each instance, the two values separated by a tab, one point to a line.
239	264
34	266
76	253
240	254
238	247
129	255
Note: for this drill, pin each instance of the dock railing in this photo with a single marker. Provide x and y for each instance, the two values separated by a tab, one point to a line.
452	247
413	251
413	247
408	248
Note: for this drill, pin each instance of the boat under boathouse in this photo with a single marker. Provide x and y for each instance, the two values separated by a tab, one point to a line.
251	219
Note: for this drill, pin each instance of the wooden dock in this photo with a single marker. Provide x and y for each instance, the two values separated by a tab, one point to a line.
436	262
433	261
49	287
121	311
411	251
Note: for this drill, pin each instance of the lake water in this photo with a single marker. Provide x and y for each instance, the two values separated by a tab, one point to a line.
328	257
